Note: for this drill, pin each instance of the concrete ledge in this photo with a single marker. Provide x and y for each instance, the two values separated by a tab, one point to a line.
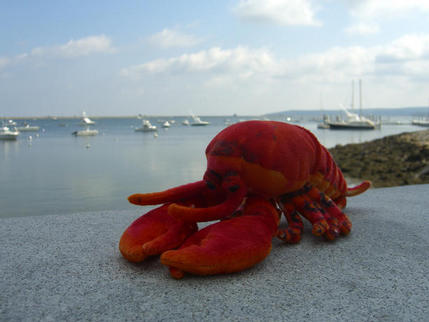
68	268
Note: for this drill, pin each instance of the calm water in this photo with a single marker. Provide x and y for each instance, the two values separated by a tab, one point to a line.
57	173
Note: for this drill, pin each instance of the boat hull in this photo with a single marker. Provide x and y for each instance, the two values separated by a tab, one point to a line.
200	124
85	133
339	126
145	130
421	123
28	129
8	137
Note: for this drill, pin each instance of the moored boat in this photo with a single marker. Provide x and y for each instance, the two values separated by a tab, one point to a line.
8	134
146	127
86	120
196	121
86	132
28	128
354	121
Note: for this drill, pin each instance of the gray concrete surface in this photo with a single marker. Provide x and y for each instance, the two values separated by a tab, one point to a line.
68	268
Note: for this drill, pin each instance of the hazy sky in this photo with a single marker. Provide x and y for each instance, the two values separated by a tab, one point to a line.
210	57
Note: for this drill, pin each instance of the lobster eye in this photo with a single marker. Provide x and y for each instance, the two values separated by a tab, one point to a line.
210	185
212	179
234	188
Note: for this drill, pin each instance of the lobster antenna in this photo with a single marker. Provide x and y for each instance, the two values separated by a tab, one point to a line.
171	195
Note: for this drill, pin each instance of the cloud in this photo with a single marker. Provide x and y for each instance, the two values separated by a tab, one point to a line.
72	49
337	64
4	61
76	48
169	38
363	29
280	12
408	47
376	8
402	57
241	60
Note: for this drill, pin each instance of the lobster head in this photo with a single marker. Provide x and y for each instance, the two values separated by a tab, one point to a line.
220	193
212	198
243	159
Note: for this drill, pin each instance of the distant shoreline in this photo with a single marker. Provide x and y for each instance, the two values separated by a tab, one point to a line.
400	111
52	117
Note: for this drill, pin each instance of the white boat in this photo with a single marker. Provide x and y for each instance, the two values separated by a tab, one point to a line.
28	128
354	121
196	121
86	132
7	134
166	125
185	122
86	120
422	122
11	123
146	127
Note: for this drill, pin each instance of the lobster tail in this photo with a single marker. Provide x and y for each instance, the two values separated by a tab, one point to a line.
171	195
357	190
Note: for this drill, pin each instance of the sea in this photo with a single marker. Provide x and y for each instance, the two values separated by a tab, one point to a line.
53	172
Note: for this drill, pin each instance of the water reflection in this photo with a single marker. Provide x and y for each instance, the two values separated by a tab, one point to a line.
60	173
8	148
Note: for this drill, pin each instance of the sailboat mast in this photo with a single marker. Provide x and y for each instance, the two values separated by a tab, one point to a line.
360	97
353	96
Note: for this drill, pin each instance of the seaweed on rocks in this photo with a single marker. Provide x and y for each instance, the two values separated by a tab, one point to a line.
395	160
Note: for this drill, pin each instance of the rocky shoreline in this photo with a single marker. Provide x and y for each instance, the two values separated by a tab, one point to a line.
395	160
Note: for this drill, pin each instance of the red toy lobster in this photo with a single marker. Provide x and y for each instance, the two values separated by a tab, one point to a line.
256	170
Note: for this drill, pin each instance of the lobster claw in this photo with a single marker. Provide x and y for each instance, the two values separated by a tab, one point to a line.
154	233
227	246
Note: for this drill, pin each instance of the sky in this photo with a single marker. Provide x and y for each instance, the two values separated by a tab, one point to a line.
248	57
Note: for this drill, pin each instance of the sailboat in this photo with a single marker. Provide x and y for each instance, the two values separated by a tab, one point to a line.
354	121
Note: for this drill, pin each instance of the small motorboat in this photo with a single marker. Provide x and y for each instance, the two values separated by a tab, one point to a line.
196	121
166	125
7	134
86	132
86	120
28	128
146	127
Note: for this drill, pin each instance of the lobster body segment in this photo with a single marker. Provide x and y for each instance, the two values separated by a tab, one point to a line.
273	158
256	171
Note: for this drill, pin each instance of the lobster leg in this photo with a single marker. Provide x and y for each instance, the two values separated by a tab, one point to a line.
313	213
323	213
227	246
292	234
338	217
154	233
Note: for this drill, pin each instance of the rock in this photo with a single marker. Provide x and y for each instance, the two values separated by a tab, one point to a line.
395	160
